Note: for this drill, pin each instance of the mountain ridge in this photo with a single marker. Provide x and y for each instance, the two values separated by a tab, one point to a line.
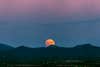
4	47
23	53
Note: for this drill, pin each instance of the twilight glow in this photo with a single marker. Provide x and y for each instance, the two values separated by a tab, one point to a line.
69	22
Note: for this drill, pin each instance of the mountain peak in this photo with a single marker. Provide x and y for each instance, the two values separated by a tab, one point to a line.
52	46
22	47
5	46
85	46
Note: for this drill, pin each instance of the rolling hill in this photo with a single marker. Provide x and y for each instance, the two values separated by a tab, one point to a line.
24	54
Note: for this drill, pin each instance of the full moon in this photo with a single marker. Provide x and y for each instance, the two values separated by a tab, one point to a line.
49	42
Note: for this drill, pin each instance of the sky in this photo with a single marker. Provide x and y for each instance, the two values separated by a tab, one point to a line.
31	22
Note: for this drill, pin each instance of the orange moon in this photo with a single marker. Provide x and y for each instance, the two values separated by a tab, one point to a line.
49	42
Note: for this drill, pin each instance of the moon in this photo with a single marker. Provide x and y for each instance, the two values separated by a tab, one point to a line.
49	42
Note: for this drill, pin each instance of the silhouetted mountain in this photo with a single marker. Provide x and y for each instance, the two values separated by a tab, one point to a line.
53	46
86	46
5	47
22	53
22	50
22	47
80	50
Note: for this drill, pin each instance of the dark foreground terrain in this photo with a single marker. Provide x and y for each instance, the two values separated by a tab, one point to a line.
52	65
54	62
85	55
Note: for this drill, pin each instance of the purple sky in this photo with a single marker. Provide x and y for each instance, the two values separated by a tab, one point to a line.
62	8
30	22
